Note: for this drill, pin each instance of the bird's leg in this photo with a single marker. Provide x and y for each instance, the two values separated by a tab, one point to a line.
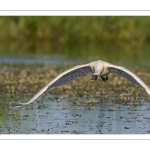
104	78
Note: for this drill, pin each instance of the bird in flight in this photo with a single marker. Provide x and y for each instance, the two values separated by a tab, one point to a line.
99	69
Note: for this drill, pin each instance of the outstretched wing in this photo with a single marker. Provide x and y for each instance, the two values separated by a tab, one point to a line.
63	78
71	75
123	72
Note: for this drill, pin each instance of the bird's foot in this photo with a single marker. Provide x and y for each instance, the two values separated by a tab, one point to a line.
105	78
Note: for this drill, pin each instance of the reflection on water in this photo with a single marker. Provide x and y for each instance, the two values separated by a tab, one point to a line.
49	116
32	59
72	54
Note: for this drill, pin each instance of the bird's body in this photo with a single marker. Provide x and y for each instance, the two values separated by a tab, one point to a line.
99	69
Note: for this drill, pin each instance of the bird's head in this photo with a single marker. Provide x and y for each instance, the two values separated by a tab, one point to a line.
98	68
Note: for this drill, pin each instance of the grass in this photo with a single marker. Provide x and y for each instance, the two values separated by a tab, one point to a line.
114	39
74	30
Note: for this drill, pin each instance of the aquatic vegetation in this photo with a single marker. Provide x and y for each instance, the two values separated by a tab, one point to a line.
78	107
21	82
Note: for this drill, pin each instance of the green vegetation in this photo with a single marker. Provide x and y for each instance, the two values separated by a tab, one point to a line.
128	32
120	40
117	39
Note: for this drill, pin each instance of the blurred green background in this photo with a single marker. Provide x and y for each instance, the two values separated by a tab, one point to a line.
28	44
118	39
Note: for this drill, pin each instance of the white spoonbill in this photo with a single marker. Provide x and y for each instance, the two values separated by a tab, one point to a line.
99	68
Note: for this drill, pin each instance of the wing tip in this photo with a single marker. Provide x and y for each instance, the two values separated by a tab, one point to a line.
20	105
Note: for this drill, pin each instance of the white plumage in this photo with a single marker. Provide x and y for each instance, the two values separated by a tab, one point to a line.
98	68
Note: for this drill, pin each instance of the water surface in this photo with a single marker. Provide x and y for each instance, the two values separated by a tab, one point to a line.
61	116
61	113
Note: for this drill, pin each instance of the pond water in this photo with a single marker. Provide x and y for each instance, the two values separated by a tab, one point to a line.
60	115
